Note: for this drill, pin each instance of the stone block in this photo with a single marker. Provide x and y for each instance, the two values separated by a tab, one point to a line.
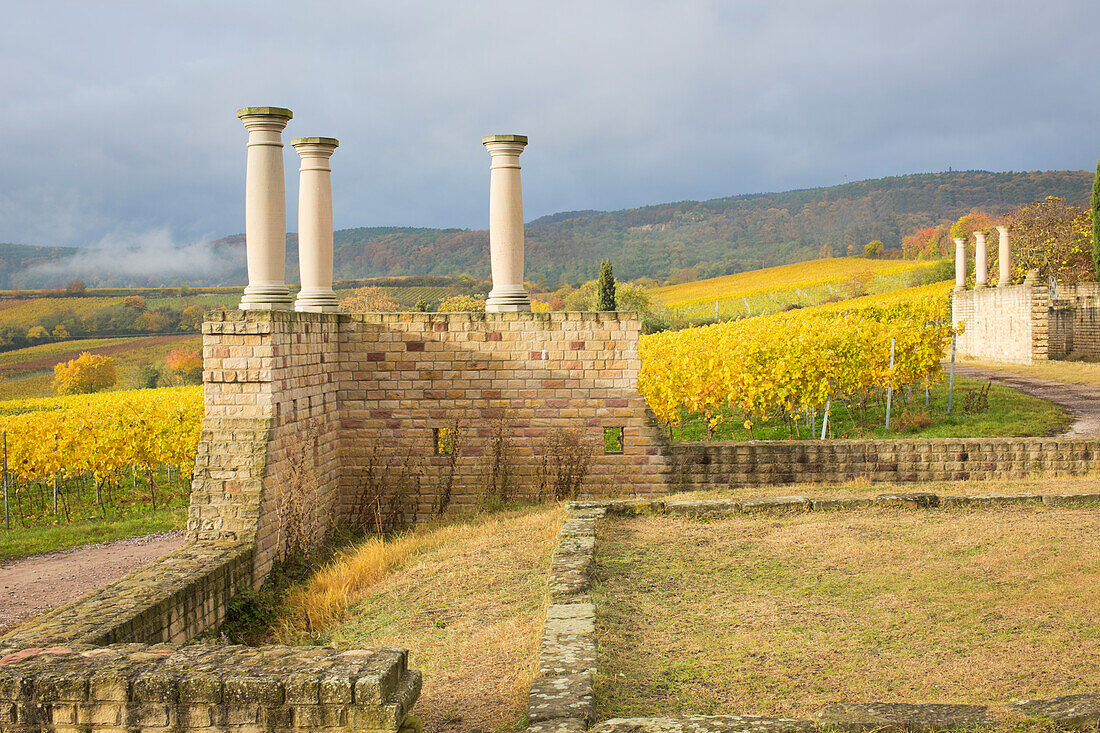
902	717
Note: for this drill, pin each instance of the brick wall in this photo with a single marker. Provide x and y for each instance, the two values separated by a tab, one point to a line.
733	464
1075	321
536	374
268	461
1000	324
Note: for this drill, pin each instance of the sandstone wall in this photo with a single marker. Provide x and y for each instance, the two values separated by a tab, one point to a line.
1075	321
1006	324
733	464
533	376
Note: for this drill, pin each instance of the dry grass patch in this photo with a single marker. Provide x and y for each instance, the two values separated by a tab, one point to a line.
468	600
1088	484
1069	372
781	615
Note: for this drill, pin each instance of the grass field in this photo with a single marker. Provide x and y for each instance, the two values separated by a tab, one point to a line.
780	615
468	598
29	372
22	541
1009	413
772	289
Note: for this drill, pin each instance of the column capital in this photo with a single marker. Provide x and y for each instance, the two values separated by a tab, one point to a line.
504	145
317	150
272	119
959	242
1002	230
979	236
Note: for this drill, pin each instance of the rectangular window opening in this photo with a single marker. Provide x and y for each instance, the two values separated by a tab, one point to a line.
612	440
444	441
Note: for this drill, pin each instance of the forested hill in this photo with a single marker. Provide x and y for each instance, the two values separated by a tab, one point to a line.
715	237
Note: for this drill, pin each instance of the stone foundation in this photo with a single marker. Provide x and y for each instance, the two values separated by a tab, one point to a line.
1022	324
732	464
204	688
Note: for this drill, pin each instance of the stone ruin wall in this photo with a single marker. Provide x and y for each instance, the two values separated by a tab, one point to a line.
1021	324
1075	321
536	375
1006	324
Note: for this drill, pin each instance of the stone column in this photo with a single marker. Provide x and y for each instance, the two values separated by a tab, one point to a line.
960	264
265	209
981	261
1004	258
315	225
506	224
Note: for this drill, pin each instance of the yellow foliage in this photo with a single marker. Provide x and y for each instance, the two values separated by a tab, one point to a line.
786	364
102	433
369	300
86	373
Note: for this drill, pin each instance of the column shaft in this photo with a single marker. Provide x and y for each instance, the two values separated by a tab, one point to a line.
960	264
265	209
1004	258
981	261
315	225
506	224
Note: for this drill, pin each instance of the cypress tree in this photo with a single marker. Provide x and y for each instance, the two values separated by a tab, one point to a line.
605	289
1096	223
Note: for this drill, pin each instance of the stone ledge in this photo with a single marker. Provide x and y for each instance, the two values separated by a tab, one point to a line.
136	686
173	598
902	717
705	724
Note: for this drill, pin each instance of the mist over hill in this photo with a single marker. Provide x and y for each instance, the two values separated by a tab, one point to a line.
716	237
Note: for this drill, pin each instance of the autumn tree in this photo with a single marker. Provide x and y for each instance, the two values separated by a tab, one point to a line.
967	224
85	374
185	364
37	333
134	301
462	303
76	287
930	243
1053	237
369	299
873	248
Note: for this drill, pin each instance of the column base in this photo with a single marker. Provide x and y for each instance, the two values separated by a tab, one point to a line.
1004	283
266	297
960	288
317	301
980	286
508	299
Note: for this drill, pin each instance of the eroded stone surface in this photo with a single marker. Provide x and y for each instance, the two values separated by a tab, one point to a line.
921	499
703	508
705	724
775	504
562	696
1071	711
897	716
986	500
827	504
558	725
1057	499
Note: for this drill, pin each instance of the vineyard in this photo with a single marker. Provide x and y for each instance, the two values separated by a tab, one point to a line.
82	456
794	366
776	288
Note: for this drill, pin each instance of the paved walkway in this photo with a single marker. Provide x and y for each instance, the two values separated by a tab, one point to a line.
33	585
1081	401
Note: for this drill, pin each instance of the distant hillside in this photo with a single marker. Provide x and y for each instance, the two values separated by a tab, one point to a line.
717	237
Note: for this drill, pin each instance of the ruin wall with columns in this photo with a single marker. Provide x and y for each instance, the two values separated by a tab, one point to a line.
1006	324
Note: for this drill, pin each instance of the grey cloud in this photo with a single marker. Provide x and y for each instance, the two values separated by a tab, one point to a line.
121	114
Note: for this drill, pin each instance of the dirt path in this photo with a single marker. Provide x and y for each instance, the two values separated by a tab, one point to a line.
1081	401
32	585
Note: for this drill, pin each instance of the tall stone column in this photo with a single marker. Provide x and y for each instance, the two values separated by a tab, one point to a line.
265	209
960	264
315	225
1004	258
981	261
506	224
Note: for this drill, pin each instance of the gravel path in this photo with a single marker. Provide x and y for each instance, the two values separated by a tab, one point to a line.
32	585
1081	401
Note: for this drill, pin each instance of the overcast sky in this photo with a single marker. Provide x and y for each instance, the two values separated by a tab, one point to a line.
117	118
